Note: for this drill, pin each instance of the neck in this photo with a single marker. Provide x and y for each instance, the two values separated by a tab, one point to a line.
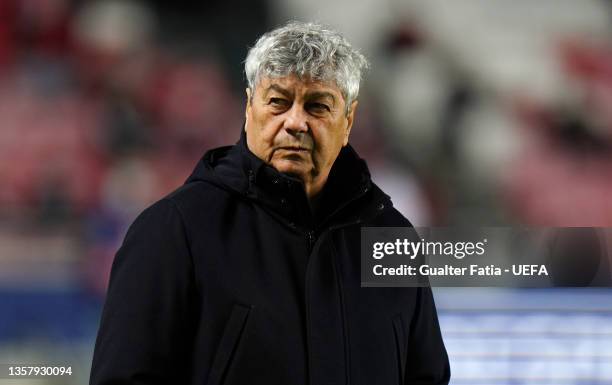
314	186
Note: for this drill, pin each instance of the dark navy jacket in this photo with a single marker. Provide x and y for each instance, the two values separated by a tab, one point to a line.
232	279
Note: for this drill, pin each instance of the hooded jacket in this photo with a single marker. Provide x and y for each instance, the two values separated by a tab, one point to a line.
234	279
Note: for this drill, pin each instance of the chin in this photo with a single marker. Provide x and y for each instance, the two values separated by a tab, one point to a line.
291	168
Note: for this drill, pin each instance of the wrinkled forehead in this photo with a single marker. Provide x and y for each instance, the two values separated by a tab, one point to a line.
294	86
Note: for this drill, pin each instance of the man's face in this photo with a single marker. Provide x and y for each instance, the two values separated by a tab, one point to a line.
298	127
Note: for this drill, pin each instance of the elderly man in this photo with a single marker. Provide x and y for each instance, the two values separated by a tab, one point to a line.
250	272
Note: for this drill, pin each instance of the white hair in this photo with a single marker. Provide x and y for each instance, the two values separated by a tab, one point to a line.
308	50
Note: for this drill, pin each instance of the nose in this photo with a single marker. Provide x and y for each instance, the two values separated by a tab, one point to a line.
296	120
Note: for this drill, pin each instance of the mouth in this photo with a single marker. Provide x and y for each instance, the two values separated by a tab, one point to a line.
294	149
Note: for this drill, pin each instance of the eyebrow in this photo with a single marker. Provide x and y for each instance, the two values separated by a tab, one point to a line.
309	96
322	94
279	89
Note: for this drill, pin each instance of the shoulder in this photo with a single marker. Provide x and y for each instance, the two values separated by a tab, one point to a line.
388	216
197	207
170	214
201	197
196	193
158	223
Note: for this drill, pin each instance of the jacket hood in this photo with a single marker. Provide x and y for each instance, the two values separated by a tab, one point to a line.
236	169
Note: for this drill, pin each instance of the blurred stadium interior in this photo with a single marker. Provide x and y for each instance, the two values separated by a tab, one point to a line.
475	112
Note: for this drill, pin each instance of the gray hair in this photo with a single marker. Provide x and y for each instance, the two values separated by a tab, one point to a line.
307	50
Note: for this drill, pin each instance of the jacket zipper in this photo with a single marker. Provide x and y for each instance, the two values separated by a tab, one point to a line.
311	240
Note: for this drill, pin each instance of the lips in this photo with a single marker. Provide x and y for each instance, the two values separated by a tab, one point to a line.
294	148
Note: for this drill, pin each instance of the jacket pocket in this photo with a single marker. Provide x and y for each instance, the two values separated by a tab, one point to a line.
232	334
400	345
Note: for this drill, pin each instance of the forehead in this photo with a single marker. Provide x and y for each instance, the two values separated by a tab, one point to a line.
298	87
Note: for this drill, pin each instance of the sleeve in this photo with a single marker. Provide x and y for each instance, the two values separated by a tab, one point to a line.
426	359
148	318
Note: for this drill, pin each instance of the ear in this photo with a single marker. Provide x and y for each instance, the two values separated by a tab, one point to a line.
247	109
349	122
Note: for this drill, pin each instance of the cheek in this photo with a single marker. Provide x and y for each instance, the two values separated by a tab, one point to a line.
267	128
328	146
259	138
271	134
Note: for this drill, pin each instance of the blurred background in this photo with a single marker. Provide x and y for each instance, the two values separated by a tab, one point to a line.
475	112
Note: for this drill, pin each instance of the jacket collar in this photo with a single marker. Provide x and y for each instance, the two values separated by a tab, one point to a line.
238	169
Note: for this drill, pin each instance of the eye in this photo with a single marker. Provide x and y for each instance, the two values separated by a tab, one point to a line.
318	107
278	102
